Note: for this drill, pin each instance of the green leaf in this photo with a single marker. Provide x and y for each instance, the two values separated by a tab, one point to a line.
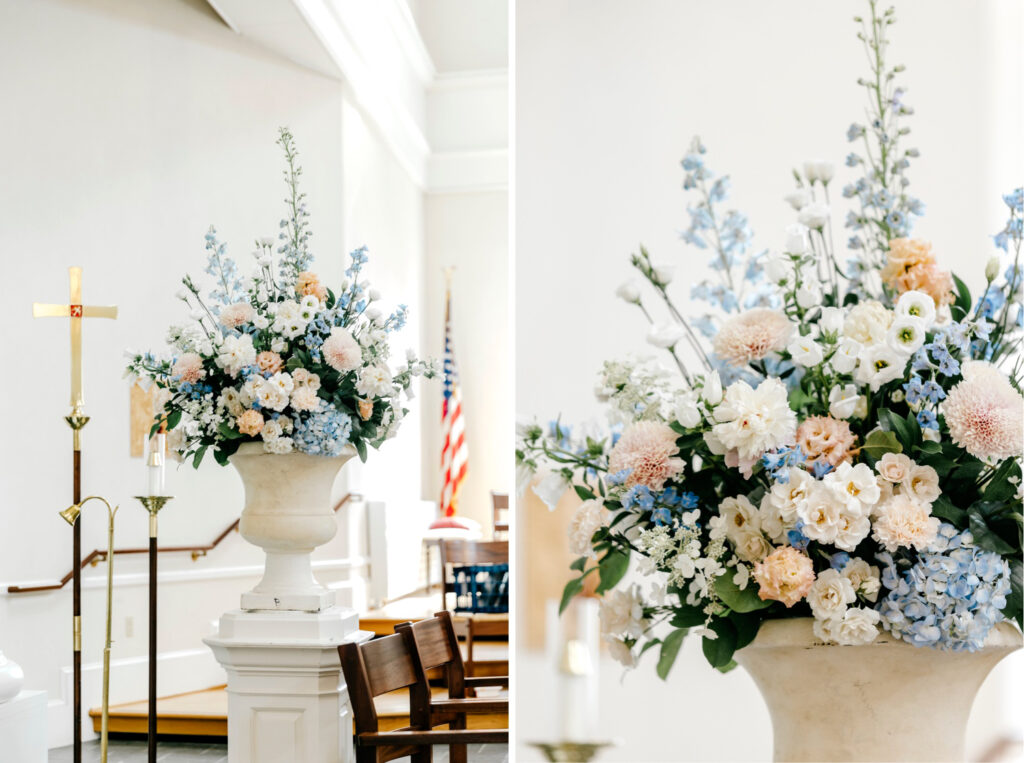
985	537
572	588
198	457
1000	489
930	447
173	418
719	651
229	433
687	617
879	442
963	296
669	651
1015	601
361	449
943	508
611	569
731	664
746	600
747	626
579	564
584	493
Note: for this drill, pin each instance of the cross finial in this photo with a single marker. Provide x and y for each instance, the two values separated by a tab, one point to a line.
76	311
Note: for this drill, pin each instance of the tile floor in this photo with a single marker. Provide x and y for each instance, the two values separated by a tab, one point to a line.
134	751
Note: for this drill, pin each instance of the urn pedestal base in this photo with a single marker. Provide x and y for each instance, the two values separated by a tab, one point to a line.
287	699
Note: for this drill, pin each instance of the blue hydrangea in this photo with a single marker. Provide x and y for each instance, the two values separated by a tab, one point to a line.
950	598
322	432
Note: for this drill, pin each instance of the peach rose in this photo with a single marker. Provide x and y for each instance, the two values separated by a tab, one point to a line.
365	409
250	422
785	575
269	361
894	467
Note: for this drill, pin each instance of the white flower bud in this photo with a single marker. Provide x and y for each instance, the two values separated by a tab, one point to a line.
712	394
796	238
629	291
814	215
992	269
373	295
663	274
798	199
665	335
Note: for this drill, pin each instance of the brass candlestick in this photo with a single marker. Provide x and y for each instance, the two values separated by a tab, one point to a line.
152	504
70	515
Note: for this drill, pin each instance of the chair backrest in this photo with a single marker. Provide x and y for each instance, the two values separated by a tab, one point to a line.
374	668
499	512
433	644
465	552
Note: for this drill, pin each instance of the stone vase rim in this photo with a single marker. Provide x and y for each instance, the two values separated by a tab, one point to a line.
798	632
256	449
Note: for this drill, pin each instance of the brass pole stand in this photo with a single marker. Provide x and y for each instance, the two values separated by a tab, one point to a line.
152	504
77	420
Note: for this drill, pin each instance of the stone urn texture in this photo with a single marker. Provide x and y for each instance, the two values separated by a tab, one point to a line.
896	701
288	513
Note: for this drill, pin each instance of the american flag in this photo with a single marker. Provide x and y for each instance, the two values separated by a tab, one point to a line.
454	453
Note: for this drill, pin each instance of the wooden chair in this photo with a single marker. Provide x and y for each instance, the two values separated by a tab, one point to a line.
457	552
433	644
499	514
384	665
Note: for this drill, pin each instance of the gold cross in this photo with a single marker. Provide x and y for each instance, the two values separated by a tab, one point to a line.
76	311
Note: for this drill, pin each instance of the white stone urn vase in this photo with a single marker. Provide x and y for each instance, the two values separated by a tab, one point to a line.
288	513
883	701
11	678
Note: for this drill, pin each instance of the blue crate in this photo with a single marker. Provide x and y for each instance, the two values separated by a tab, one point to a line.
481	588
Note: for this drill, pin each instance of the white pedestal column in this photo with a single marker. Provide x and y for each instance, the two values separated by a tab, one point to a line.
23	728
287	699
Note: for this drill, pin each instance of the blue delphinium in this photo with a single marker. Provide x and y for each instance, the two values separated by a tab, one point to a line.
322	432
950	598
778	462
227	281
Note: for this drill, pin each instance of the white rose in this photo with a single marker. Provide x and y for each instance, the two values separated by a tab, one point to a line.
814	215
751	546
863	577
665	335
796	239
820	513
857	626
843	401
805	351
551	489
629	291
830	595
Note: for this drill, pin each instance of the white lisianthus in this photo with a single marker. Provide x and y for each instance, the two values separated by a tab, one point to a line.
880	365
798	199
796	239
830	595
551	488
712	392
831	320
260	322
809	294
906	334
288	320
665	335
844	359
590	517
819	171
663	274
752	421
806	352
375	381
629	291
916	304
236	353
778	268
844	401
814	215
622	613
687	411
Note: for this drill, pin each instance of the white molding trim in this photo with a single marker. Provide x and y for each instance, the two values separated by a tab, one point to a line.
403	26
471	79
468	171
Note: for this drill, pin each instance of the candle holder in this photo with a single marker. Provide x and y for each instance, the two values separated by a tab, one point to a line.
570	752
152	504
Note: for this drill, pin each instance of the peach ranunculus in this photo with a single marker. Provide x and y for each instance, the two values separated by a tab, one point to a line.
189	367
269	361
648	450
911	266
826	439
309	284
365	409
785	575
250	422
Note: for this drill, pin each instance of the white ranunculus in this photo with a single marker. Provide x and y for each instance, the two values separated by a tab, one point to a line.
863	577
814	215
880	364
796	239
687	412
629	291
853	528
751	546
858	626
843	401
831	320
906	335
856	484
844	360
665	335
551	489
663	274
830	595
806	352
712	392
798	199
916	304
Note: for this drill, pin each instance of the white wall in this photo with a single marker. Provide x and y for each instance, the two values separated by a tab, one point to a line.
608	96
130	127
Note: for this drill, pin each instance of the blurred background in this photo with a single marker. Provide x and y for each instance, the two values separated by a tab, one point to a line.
609	95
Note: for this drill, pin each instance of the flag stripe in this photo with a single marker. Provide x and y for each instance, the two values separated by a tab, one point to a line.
454	451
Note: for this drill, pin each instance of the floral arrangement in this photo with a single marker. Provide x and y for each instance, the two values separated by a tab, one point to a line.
840	442
279	357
